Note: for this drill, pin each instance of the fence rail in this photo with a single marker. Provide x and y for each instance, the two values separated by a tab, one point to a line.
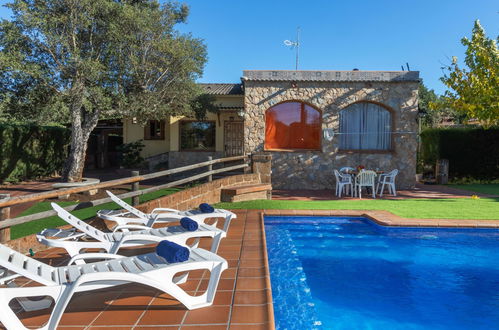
5	204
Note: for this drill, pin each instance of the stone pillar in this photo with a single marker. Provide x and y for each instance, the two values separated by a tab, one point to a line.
262	164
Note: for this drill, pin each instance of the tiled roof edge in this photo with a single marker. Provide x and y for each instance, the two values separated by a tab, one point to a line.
222	88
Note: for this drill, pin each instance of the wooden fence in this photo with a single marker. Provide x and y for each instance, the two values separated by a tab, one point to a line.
6	203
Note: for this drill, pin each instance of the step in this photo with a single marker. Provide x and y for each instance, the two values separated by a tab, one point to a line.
247	189
247	192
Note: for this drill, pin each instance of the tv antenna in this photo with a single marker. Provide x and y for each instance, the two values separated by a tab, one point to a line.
295	45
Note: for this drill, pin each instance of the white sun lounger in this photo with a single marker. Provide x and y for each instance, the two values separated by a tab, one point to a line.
61	283
74	242
159	215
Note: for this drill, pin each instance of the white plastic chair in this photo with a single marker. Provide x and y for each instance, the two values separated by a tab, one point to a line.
159	215
343	181
90	237
387	179
61	283
366	179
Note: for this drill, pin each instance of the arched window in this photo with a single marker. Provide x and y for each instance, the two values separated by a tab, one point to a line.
292	125
365	126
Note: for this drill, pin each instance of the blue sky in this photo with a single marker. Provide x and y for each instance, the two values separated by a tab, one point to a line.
335	35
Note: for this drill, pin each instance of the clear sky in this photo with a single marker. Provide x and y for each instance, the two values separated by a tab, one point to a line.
335	35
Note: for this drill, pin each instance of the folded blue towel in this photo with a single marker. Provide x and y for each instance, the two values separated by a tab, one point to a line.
206	208
189	224
172	252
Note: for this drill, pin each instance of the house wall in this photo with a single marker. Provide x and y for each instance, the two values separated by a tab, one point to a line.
133	132
230	101
219	126
314	169
171	143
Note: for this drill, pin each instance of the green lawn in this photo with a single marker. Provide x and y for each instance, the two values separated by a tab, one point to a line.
36	226
459	208
490	189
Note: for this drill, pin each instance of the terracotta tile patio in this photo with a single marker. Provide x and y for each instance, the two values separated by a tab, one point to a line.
243	299
420	191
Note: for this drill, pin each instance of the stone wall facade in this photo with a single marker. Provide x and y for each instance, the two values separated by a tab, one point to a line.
314	169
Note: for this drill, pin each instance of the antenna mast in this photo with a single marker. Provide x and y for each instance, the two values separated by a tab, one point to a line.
295	45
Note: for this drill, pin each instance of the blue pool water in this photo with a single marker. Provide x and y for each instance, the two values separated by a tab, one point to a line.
349	273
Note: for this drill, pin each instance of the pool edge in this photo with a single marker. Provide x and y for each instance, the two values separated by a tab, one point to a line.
270	305
389	219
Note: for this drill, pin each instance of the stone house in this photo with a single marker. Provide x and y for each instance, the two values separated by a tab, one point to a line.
311	122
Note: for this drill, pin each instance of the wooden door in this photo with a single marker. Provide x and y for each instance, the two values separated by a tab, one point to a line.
233	138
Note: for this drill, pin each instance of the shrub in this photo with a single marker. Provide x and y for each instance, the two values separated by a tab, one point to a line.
473	153
31	151
131	154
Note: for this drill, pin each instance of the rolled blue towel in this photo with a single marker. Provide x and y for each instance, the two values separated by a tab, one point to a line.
172	252
206	208
189	224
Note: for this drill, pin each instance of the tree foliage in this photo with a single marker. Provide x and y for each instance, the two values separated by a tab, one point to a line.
434	108
91	59
426	97
474	90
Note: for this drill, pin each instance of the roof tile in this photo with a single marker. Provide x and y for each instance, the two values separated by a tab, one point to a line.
223	89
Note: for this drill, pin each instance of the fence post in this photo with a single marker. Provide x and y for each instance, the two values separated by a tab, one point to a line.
4	215
210	168
247	160
135	187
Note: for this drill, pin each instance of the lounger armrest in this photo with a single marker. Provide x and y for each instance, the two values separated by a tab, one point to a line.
142	237
116	213
227	212
164	209
126	227
5	277
59	235
83	256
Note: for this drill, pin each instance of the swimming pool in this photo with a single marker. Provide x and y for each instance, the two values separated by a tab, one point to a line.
350	273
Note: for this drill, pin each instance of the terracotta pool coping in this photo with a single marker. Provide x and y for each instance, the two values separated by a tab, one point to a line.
386	218
270	305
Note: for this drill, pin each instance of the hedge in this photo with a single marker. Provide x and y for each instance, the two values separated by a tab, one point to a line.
472	152
31	151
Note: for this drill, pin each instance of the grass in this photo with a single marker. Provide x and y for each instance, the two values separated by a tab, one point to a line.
459	208
36	226
490	189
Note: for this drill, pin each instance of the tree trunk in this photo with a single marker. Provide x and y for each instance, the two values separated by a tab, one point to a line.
82	124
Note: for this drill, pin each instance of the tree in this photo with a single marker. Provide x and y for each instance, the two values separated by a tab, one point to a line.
474	90
435	109
426	98
91	59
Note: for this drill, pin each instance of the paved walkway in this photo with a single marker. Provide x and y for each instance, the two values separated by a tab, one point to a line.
32	187
25	188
